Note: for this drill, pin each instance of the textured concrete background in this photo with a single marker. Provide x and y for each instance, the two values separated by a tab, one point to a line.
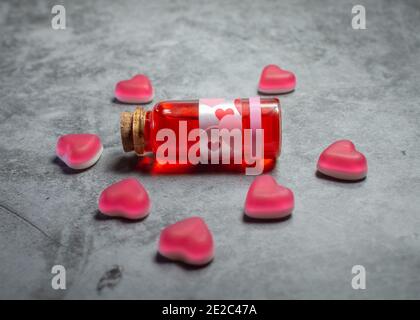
360	85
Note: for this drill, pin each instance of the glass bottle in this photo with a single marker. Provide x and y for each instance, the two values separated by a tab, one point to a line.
205	134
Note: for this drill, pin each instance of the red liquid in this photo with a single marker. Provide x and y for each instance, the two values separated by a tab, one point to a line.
169	114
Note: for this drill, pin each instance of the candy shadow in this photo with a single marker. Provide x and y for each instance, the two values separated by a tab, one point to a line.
250	220
66	169
160	259
322	176
99	216
116	101
264	94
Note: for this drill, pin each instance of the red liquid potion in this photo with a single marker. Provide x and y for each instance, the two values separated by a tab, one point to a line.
205	135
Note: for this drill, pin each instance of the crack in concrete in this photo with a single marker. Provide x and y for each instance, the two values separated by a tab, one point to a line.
7	208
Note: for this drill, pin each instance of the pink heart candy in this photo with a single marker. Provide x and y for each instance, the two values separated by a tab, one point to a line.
341	160
268	200
275	80
138	89
79	151
188	240
126	198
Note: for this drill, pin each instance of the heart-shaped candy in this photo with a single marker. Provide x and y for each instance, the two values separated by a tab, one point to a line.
275	80
341	160
138	89
126	198
268	200
188	240
79	151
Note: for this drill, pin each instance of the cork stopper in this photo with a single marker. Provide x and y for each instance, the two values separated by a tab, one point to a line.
132	130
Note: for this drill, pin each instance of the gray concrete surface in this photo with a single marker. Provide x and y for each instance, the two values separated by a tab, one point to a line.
360	85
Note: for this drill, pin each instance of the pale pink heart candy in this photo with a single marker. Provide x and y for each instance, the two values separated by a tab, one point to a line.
268	200
138	89
341	160
126	198
188	240
275	80
79	151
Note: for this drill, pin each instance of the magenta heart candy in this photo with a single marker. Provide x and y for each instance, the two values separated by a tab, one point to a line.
126	198
188	240
275	80
268	200
138	89
79	151
341	160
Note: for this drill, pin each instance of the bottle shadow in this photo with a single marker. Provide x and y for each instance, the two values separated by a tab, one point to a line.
148	165
124	164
